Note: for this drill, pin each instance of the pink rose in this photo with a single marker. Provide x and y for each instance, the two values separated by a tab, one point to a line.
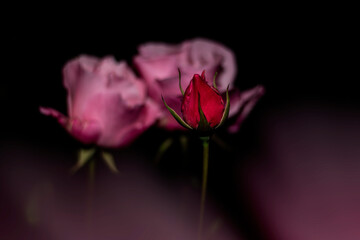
107	103
158	64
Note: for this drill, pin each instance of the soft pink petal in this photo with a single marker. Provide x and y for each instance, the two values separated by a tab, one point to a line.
105	100
157	67
146	118
118	119
84	131
212	56
80	83
62	119
151	113
158	63
241	104
103	76
124	82
112	113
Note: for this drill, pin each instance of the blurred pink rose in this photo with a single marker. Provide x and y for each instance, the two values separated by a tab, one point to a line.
241	104
158	64
107	103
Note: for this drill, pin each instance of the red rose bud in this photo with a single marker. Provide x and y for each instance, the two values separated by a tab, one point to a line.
202	107
211	103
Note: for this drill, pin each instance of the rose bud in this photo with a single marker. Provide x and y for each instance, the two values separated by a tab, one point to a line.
202	106
107	104
158	64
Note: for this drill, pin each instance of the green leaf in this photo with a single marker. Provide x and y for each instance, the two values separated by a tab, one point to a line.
227	109
110	161
176	116
182	91
84	155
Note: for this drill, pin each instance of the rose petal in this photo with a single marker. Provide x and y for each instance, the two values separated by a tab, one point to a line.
120	122
213	56
241	104
141	119
80	83
55	114
158	64
85	131
211	103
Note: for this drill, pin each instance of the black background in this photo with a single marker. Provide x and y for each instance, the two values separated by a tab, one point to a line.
298	55
301	57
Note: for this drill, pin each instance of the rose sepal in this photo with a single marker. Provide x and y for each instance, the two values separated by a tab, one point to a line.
176	116
214	80
204	127
226	110
84	156
109	161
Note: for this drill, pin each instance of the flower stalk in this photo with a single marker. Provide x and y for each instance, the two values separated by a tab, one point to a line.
205	144
203	111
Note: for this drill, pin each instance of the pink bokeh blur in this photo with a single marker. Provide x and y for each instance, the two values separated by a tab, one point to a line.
47	202
304	184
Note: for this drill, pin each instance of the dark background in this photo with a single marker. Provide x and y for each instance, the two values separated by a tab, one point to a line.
300	58
297	55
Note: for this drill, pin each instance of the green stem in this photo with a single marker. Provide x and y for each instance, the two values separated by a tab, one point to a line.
205	142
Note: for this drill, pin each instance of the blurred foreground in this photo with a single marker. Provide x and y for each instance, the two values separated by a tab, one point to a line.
301	182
